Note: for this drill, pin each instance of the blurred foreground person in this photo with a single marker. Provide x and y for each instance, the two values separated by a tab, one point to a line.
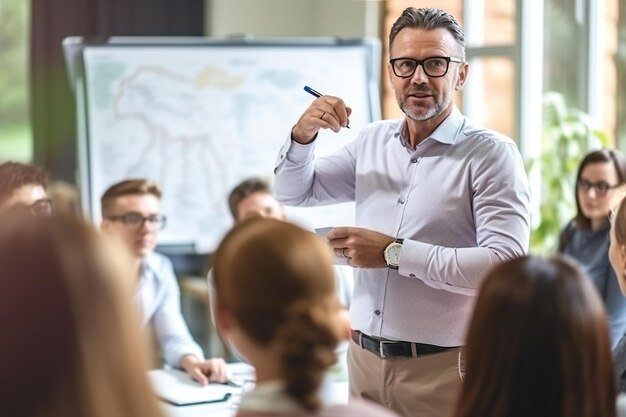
70	344
538	345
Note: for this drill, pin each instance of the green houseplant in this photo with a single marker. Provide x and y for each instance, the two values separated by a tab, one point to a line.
568	134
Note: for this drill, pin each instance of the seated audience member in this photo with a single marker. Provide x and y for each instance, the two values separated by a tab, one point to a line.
253	197
70	337
585	238
65	196
131	210
617	256
24	185
538	345
280	311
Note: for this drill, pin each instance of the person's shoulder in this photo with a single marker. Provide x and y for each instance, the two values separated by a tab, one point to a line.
482	135
359	408
355	408
158	262
156	258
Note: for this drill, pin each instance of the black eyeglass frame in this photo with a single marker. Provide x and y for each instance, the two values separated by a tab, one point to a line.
126	218
601	187
418	62
41	207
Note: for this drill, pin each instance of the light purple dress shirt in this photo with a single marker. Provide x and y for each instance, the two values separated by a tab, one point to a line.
158	299
460	201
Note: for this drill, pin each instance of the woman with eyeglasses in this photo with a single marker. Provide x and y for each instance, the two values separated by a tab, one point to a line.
585	238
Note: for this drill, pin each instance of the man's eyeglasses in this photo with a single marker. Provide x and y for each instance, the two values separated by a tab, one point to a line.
136	220
434	67
601	187
42	207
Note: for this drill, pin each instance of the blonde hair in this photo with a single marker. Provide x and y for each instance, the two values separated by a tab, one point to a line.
278	282
128	187
67	313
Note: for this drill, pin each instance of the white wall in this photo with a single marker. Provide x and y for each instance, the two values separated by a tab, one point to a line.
294	18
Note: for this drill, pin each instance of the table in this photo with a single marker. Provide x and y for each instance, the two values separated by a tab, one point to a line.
335	391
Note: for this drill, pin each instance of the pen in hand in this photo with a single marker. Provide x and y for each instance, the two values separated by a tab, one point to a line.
315	93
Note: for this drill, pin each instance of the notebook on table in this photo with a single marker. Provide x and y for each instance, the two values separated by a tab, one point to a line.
175	387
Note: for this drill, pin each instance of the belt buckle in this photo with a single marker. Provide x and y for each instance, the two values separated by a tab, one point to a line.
381	352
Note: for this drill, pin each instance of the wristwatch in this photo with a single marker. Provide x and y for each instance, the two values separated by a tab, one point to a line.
392	253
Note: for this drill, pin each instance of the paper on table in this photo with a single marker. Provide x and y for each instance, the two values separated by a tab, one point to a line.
241	373
177	388
323	231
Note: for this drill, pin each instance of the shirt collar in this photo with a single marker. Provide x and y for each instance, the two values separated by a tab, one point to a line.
446	132
270	397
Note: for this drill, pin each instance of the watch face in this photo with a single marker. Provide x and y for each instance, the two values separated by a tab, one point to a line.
392	254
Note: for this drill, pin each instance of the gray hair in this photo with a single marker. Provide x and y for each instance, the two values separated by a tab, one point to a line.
428	19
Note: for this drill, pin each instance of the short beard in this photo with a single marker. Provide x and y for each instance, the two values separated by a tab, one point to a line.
422	117
430	113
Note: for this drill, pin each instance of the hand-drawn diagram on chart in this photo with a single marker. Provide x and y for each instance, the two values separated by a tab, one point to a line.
198	120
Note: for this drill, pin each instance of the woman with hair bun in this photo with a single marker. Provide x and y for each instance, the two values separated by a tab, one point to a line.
276	304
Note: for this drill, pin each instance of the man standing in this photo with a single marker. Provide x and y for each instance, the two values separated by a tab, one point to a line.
439	201
131	210
24	185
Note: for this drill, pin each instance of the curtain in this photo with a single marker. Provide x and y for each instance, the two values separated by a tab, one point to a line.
52	100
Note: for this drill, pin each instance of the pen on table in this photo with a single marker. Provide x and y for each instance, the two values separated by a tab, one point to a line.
315	93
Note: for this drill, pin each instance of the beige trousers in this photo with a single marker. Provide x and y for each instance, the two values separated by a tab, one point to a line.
423	386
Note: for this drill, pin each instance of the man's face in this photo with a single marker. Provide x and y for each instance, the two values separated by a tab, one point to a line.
31	195
140	237
419	96
261	204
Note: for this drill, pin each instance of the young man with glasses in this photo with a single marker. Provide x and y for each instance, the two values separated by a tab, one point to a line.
131	211
439	201
24	185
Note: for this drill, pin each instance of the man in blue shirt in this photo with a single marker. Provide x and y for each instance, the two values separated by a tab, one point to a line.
131	211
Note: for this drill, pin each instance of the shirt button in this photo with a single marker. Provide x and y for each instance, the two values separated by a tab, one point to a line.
401	200
412	275
282	156
413	160
377	312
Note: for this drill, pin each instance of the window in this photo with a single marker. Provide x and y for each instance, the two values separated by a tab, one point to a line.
501	66
15	135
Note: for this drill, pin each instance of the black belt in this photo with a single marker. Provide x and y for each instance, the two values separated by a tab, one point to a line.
388	348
